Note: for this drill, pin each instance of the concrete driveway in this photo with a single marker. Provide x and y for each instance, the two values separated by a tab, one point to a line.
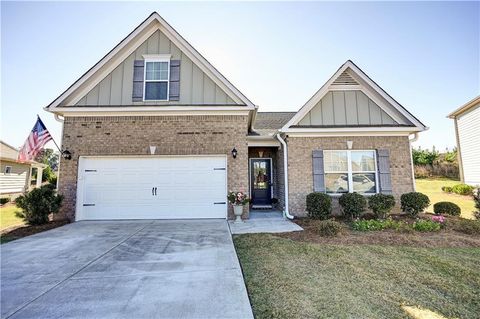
124	269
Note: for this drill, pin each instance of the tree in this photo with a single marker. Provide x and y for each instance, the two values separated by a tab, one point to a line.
49	157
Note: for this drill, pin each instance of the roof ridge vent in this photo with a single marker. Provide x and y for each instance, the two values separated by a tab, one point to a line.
345	79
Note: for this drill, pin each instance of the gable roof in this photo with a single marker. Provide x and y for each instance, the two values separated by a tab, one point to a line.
108	63
349	76
464	108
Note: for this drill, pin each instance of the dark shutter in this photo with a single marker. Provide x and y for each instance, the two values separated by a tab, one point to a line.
174	90
137	93
384	178
318	171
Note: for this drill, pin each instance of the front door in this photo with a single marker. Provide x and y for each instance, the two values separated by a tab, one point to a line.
261	181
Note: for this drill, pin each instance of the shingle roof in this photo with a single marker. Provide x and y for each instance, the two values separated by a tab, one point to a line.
270	122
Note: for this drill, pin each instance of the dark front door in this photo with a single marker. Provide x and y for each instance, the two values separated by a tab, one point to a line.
261	181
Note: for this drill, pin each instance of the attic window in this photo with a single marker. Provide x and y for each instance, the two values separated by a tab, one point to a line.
157	74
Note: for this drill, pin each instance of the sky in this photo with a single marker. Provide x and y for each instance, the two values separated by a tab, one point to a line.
424	54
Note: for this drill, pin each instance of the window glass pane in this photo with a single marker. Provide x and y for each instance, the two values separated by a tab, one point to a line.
335	161
156	90
336	183
156	71
363	183
363	161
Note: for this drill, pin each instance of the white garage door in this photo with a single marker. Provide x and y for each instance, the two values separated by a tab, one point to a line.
151	187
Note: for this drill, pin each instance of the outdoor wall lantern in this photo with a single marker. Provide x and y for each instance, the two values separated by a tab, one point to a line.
67	155
152	150
234	153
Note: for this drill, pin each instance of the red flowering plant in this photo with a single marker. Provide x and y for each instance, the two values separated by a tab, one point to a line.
237	198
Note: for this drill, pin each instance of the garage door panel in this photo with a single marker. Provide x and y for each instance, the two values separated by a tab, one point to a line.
121	188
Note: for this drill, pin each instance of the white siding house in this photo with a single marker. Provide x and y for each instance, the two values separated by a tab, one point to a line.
467	130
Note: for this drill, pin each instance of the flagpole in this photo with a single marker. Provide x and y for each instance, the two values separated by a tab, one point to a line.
53	140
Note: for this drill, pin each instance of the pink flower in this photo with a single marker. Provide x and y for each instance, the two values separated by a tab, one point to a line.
438	218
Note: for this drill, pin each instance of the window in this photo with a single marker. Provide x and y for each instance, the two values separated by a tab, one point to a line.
350	171
8	169
157	74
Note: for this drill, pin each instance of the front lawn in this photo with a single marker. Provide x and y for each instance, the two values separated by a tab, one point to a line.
432	187
298	278
8	218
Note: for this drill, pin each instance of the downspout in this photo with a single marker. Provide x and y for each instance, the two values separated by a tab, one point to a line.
58	119
285	175
410	141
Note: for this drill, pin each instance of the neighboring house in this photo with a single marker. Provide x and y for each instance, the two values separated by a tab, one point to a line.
467	132
16	176
155	131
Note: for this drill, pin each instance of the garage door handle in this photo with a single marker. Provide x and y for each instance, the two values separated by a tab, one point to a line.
155	191
219	203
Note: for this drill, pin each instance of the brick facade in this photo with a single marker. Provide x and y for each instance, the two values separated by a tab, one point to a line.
300	164
173	135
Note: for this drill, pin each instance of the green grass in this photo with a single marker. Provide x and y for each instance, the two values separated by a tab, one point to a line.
432	187
8	218
292	279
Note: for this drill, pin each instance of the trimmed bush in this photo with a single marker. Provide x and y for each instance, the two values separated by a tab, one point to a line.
463	189
447	189
368	225
448	208
38	204
467	226
319	205
414	202
353	204
381	204
476	199
4	200
426	226
328	228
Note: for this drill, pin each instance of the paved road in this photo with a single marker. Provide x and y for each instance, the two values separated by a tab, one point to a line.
124	269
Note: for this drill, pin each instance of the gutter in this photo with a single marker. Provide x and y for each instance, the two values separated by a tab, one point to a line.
285	174
410	141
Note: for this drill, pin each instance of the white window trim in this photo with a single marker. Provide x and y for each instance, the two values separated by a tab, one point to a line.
350	172
5	171
156	58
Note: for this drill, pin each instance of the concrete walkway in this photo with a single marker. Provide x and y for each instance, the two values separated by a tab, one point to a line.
125	269
264	222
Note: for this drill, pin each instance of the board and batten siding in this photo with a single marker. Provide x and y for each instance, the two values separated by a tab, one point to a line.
350	107
196	88
16	181
468	125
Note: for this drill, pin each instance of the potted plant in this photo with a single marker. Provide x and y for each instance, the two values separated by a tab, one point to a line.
238	200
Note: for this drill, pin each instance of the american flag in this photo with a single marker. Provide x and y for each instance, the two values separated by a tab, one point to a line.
39	136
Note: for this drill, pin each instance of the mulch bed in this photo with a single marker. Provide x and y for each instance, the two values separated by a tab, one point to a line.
26	230
443	238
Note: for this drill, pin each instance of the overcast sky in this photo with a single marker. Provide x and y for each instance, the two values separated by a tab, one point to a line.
425	54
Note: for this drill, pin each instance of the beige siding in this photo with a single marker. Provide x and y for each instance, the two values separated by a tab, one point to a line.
195	86
16	181
342	108
468	136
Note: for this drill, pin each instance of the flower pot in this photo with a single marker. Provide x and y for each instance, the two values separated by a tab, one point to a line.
237	211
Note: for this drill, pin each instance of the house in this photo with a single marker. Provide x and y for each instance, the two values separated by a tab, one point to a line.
16	177
155	131
467	132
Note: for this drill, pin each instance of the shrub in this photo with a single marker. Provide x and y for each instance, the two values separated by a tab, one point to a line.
328	228
448	208
476	199
424	157
368	225
467	226
381	204
38	204
4	200
319	205
426	225
462	189
414	202
447	189
353	204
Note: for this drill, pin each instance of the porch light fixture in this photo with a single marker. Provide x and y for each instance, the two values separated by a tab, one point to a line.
67	155
234	153
152	150
349	144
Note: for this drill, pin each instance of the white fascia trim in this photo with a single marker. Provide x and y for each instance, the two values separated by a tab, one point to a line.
352	129
149	111
262	141
173	36
337	134
328	86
